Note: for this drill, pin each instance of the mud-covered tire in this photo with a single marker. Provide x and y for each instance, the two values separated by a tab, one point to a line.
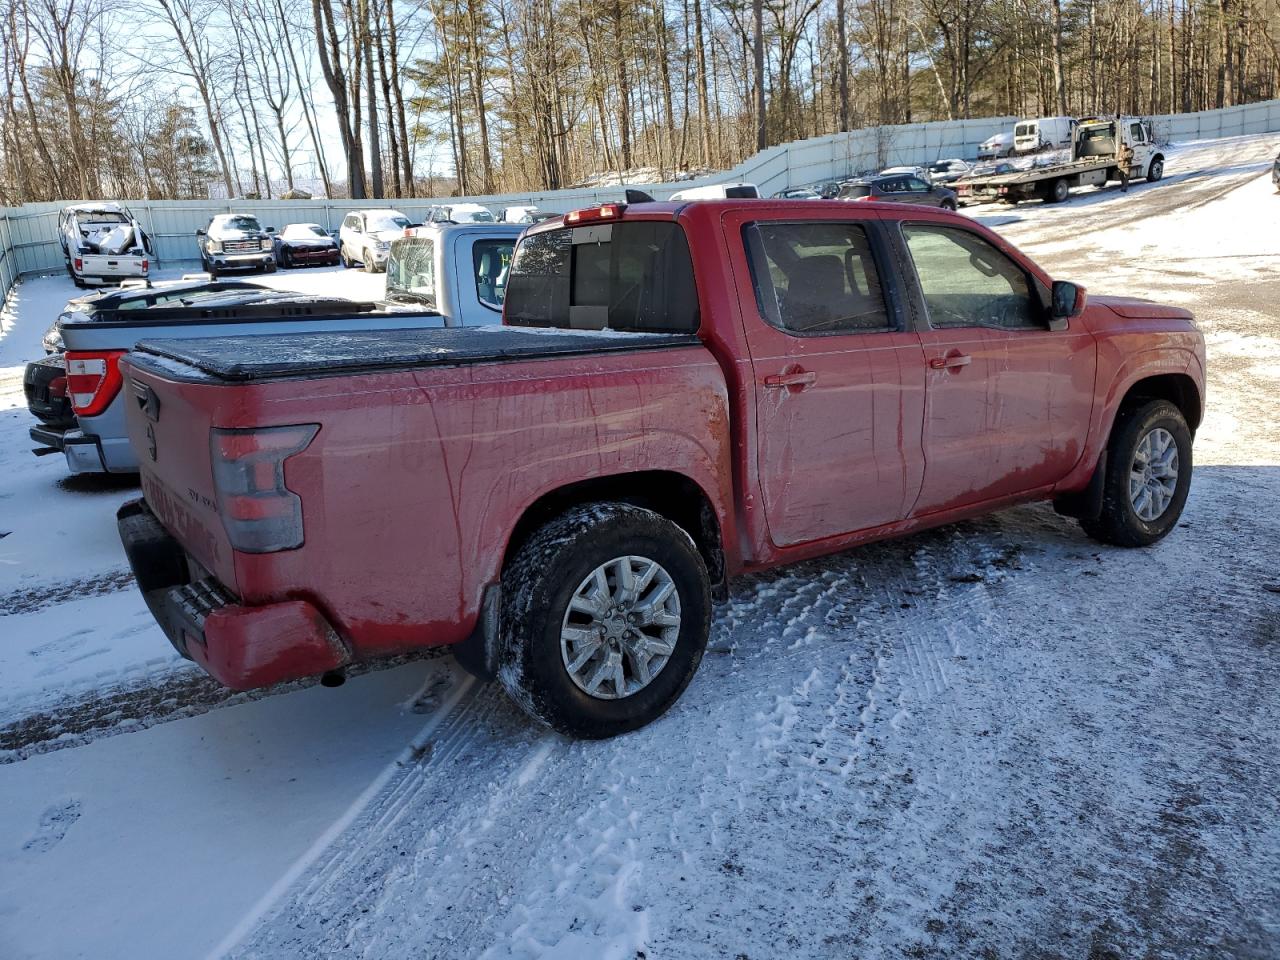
1118	522
537	587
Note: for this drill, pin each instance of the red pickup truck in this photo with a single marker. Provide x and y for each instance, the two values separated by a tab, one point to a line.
680	393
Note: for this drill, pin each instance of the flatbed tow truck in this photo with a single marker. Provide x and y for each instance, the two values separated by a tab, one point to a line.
1095	153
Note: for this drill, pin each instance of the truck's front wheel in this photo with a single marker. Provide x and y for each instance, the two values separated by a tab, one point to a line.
1148	474
1155	171
605	614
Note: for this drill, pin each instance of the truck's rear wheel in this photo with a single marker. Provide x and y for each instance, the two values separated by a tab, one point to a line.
1148	474
605	614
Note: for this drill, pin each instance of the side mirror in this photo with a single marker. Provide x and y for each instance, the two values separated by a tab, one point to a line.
1068	301
271	229
199	232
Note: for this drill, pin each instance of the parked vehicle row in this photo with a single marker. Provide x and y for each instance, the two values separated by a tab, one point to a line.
680	393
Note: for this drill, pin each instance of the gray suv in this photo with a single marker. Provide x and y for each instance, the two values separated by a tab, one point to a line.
899	188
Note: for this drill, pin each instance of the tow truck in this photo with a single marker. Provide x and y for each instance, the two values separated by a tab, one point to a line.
1093	161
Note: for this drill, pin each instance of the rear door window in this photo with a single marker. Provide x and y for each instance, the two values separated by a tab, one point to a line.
635	276
491	260
816	278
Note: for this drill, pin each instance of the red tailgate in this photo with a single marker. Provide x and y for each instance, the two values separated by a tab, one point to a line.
168	425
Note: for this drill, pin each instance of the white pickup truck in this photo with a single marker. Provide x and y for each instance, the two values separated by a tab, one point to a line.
102	243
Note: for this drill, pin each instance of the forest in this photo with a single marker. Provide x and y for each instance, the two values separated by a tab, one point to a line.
166	99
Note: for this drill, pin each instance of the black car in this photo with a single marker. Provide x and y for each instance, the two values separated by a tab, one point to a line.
45	386
899	188
299	244
236	241
105	304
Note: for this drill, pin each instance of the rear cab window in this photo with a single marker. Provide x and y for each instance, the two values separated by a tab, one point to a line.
411	271
631	275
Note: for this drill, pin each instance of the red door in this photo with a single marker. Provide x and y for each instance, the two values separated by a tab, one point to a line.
839	384
1008	400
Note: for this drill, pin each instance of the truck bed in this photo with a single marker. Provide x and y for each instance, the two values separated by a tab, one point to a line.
273	356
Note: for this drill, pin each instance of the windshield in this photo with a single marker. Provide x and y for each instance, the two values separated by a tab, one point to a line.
249	224
304	231
411	270
376	223
471	215
102	216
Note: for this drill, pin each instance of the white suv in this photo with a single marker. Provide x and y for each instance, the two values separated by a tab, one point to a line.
366	237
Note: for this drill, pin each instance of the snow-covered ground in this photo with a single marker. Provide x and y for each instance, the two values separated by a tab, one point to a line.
995	739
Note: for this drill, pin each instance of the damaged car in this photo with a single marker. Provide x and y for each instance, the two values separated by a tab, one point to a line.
102	243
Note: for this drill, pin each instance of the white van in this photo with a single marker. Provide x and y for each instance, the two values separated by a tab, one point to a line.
1043	133
719	191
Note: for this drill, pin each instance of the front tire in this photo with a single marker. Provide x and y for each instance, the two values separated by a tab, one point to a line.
370	266
605	615
1148	475
1155	171
346	260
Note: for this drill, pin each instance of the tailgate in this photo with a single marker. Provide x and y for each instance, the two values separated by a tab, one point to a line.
168	424
104	265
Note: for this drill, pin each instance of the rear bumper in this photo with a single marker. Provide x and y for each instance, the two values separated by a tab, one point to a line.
88	453
240	646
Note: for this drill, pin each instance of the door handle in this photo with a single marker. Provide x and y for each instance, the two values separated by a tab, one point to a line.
951	360
796	380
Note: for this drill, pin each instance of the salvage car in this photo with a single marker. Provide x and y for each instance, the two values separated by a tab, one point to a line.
899	188
681	393
997	146
301	244
365	237
236	241
944	172
102	243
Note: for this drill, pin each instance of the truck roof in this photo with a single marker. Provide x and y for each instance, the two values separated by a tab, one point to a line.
672	209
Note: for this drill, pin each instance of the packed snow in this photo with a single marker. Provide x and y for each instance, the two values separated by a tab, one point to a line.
994	739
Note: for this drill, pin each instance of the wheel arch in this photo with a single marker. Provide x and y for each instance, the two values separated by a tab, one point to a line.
670	494
1178	388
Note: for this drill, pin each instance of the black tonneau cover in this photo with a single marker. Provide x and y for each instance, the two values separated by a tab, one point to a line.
271	356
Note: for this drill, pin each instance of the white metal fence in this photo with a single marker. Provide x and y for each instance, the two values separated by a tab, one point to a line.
28	234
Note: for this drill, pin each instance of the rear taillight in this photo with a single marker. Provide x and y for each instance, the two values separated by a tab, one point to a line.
93	380
79	264
146	265
260	514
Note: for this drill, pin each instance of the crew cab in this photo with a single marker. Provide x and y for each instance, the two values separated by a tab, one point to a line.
680	393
